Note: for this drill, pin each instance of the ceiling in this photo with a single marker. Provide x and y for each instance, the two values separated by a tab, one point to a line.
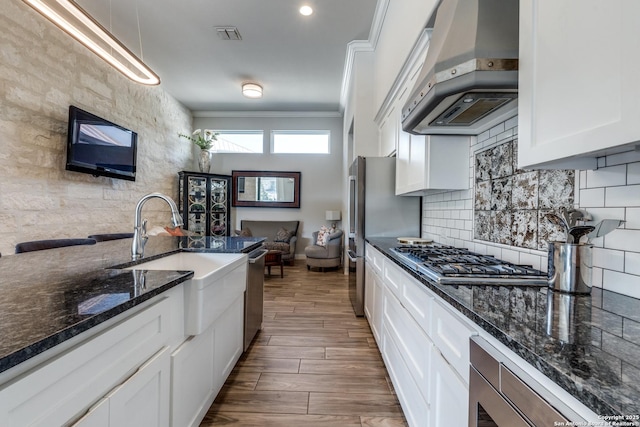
299	60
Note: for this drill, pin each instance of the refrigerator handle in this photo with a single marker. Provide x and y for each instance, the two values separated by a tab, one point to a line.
351	206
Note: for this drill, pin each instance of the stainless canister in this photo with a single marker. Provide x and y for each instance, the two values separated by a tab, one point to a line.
570	267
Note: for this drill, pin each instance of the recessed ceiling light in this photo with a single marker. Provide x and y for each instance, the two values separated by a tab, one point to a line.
306	10
252	90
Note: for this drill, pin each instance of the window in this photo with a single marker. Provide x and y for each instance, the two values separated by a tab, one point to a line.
300	142
240	141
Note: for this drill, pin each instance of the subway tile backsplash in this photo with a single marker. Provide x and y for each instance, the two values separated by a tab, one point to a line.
500	214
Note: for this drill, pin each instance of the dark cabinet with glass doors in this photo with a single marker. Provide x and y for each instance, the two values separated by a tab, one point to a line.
205	203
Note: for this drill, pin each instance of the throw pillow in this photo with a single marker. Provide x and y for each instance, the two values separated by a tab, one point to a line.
245	232
323	236
283	235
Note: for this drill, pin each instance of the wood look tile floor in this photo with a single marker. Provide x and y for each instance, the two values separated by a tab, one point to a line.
313	364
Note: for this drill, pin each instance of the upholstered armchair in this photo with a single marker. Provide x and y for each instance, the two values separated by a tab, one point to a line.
325	256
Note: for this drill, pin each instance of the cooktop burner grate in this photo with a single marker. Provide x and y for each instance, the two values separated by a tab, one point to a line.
446	264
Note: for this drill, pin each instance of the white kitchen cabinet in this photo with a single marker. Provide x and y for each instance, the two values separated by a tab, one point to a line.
578	85
229	342
425	346
63	389
410	340
373	300
432	163
389	117
202	364
415	407
449	394
374	290
389	132
450	334
143	399
192	379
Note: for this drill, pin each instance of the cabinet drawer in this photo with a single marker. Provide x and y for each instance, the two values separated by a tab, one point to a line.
65	387
417	300
395	279
410	340
375	259
415	408
451	336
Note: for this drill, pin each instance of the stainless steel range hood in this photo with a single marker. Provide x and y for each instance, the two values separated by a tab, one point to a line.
469	81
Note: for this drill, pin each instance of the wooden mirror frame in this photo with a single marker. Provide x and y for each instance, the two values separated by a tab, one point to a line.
273	174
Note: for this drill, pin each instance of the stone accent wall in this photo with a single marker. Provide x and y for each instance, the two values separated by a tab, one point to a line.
42	72
510	204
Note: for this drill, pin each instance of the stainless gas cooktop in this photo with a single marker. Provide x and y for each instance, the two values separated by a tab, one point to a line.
446	264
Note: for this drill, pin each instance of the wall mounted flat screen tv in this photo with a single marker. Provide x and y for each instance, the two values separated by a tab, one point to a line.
100	148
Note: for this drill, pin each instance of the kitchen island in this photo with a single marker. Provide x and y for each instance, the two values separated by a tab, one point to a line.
87	338
48	297
591	351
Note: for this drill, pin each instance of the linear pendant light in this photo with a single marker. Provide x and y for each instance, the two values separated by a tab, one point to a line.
73	20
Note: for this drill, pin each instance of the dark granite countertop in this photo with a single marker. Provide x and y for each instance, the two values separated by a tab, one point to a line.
587	344
50	296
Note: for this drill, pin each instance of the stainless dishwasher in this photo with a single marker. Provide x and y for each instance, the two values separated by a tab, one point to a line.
254	296
499	398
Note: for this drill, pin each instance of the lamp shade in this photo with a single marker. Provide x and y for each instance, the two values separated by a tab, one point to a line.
333	215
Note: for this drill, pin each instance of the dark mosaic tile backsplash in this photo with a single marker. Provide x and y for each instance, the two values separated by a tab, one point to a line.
510	203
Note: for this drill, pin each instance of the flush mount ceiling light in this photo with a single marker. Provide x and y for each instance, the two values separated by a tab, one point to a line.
73	20
252	90
306	10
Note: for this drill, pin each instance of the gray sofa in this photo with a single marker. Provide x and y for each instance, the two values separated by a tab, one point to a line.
269	230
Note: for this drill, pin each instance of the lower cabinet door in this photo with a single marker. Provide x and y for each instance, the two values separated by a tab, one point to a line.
192	379
413	344
228	341
369	291
415	408
449	394
143	399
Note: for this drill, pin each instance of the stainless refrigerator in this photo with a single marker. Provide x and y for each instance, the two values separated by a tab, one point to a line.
375	211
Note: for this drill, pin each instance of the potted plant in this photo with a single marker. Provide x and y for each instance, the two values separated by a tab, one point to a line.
203	139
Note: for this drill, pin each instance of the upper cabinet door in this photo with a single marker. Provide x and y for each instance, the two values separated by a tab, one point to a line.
579	90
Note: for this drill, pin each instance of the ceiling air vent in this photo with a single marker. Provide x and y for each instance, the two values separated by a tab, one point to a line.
228	33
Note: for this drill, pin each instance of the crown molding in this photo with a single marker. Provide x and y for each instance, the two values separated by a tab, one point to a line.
378	20
362	46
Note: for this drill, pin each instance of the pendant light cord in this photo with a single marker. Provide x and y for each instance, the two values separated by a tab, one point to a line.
139	32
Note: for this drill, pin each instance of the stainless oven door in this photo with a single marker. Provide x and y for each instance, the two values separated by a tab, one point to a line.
499	398
487	407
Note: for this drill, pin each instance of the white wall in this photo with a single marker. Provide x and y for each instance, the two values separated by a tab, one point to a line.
322	176
611	191
42	72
